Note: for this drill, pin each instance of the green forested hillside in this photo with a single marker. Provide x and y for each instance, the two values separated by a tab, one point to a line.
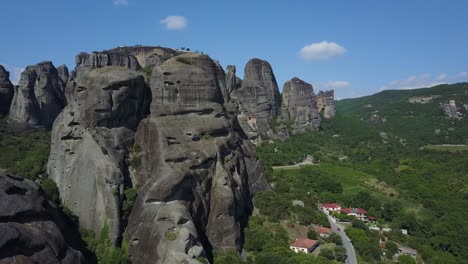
375	148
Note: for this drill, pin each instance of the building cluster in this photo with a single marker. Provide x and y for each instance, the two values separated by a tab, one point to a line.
358	213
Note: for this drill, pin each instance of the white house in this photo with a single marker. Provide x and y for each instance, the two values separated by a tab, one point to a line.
331	207
304	245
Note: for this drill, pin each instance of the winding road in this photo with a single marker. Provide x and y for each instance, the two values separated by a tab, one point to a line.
351	255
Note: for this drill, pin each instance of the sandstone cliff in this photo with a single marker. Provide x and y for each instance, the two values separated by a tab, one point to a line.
6	91
197	173
32	230
326	103
38	99
258	99
91	139
299	106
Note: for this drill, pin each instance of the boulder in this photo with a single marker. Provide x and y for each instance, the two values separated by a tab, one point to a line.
258	99
326	103
6	91
32	229
299	106
91	140
196	173
38	99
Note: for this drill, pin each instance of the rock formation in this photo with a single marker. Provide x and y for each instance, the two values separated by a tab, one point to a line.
258	99
6	91
231	79
38	99
63	73
32	230
134	58
197	173
91	139
299	106
326	103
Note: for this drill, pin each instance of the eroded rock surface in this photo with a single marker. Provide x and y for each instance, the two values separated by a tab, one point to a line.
197	174
326	103
6	91
258	99
299	106
38	99
91	139
32	230
134	58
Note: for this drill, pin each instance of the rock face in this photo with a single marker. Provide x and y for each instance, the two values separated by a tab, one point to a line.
134	58
32	230
6	91
38	99
197	173
91	139
299	106
326	103
63	73
258	99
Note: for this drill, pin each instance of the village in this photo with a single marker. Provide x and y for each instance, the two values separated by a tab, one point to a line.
340	218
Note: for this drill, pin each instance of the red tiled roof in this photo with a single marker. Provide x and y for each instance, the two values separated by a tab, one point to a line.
304	243
373	218
323	230
331	205
353	210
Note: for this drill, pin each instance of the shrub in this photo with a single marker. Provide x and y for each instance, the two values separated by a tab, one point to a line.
51	190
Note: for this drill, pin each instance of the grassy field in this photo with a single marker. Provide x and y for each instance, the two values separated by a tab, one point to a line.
353	182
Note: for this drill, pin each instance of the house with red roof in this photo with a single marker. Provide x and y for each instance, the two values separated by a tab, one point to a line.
330	207
323	231
304	245
359	213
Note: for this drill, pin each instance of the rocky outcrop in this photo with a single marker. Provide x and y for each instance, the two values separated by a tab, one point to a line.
32	230
195	174
231	79
299	106
63	73
326	103
258	99
6	91
38	99
91	139
133	58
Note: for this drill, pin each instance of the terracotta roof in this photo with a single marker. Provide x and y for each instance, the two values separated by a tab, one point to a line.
331	205
323	230
353	210
304	243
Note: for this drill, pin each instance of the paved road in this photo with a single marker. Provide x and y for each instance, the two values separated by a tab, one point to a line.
351	259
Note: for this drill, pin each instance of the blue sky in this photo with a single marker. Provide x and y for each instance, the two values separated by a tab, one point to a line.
356	47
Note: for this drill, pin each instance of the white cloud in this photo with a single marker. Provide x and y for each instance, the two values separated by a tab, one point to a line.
174	22
337	84
332	85
321	50
15	72
425	80
121	2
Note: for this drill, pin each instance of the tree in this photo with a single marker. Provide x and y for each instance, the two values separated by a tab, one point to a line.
335	238
327	253
392	249
340	253
359	224
312	234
